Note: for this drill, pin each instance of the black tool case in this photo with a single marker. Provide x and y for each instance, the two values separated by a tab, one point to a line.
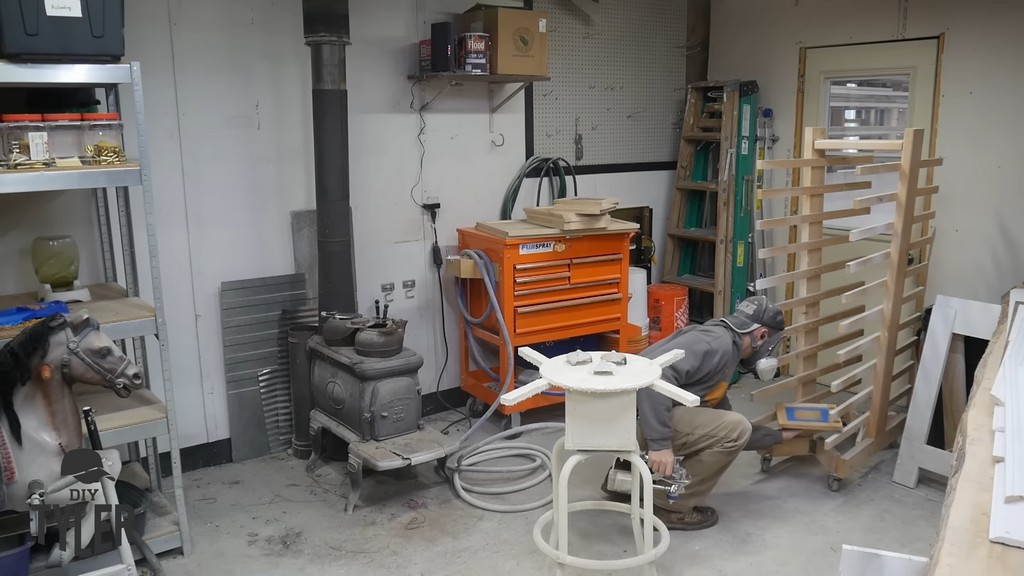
62	30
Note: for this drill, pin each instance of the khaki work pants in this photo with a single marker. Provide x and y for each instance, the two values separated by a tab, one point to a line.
709	439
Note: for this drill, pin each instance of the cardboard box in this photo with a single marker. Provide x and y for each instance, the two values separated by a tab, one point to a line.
519	38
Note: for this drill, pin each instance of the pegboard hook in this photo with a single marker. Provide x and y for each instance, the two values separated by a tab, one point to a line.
495	144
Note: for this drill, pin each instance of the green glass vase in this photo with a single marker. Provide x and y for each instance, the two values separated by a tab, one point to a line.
55	260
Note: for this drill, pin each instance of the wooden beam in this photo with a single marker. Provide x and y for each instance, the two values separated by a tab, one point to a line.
902	370
870	231
864	290
802	246
787	358
918	218
842	409
846	432
823	321
918	269
818	297
851	323
813	162
910	321
907	345
851	378
868	447
924	242
931	162
919	291
884	167
857	346
785	277
926	191
772	193
810	218
865	145
874	200
806	377
868	261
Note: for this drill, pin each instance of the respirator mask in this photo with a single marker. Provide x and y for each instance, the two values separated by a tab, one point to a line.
762	362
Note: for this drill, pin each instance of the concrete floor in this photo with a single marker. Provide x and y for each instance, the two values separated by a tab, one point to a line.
268	518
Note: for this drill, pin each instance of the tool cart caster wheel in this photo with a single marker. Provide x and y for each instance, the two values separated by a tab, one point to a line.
833	483
476	408
506	425
766	463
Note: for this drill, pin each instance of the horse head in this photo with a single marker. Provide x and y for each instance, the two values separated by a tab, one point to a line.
88	356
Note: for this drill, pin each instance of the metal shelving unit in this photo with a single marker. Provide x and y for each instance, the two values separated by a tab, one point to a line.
117	303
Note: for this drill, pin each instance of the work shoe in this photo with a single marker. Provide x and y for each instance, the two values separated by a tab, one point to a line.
696	518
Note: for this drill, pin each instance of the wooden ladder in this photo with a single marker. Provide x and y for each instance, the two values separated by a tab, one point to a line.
700	226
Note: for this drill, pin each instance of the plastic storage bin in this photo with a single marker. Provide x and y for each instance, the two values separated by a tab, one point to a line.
104	138
26	141
81	30
15	561
66	138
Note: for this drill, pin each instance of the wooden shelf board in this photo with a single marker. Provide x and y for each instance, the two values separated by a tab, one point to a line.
109	306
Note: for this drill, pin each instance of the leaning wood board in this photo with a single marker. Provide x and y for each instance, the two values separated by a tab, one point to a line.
963	546
523	229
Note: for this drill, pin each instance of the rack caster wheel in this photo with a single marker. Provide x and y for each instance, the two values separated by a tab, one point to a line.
766	463
440	466
476	408
833	483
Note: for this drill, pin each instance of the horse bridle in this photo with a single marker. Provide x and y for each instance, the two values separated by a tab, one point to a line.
113	380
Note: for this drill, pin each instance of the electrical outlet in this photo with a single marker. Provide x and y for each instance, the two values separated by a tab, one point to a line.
387	287
408	284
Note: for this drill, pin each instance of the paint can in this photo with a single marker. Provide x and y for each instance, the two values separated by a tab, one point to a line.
474	53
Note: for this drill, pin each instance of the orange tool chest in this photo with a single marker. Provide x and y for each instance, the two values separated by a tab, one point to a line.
549	288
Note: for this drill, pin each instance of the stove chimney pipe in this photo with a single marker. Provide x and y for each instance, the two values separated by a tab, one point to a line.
326	30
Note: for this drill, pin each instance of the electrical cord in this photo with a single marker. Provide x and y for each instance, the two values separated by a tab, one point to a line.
470	460
419	139
444	328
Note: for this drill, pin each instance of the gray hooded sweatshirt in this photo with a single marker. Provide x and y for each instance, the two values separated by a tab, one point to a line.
712	354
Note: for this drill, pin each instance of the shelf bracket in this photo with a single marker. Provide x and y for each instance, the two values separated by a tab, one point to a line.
438	95
520	88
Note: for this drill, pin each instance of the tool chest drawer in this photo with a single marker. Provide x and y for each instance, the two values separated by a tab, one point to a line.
575	312
541	275
531	294
596	268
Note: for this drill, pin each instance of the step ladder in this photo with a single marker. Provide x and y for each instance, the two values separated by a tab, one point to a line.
704	247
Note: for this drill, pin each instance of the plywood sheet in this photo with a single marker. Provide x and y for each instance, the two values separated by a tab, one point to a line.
523	229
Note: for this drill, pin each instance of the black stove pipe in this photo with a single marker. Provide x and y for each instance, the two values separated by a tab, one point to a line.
326	29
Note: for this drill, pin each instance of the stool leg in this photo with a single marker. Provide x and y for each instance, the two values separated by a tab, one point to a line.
557	461
648	486
634	504
563	498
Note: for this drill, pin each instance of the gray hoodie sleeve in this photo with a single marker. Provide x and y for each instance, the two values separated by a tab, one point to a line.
655	409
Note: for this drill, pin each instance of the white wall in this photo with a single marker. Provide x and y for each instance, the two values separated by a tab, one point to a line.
227	96
979	240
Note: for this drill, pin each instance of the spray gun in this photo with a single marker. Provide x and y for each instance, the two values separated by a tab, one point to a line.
620	479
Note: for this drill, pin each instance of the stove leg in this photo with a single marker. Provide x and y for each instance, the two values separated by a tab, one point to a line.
317	438
355	481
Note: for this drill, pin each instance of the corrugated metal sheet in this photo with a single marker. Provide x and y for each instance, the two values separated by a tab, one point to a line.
255	316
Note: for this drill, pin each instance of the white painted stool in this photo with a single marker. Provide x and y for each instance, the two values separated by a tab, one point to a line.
600	418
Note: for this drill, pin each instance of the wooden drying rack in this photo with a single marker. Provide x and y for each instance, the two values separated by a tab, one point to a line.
863	434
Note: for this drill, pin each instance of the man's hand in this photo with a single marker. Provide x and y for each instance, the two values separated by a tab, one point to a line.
661	462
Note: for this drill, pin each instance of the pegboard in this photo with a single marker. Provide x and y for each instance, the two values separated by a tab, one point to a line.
617	87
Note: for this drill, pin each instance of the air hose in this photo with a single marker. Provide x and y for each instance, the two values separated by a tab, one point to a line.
470	460
552	168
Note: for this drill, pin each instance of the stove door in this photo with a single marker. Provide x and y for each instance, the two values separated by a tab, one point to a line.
395	407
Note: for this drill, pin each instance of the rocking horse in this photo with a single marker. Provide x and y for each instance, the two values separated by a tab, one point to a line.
39	418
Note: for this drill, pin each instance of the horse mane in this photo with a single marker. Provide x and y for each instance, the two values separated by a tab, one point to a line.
16	365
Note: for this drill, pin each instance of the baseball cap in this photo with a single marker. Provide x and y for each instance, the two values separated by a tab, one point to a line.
753	312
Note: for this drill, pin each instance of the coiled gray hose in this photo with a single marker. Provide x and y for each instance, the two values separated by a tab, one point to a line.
469	460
